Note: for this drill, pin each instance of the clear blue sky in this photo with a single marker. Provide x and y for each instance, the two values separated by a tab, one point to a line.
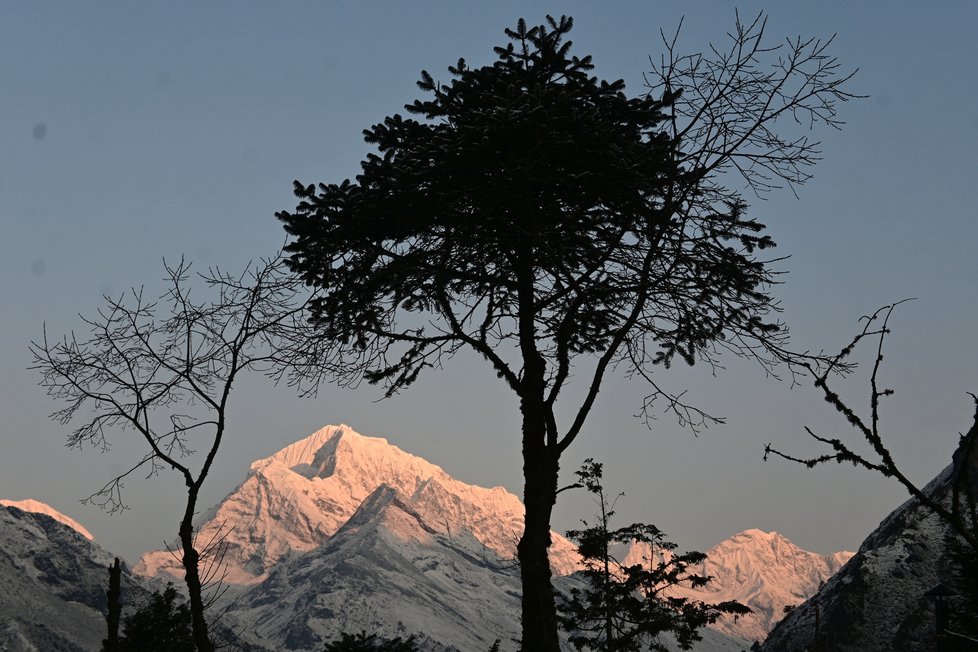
130	133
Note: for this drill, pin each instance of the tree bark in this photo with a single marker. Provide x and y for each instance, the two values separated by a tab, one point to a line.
191	566
111	643
540	457
539	612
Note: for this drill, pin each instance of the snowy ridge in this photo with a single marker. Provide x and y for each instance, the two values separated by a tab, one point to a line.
296	499
37	507
388	571
308	502
52	584
763	570
341	532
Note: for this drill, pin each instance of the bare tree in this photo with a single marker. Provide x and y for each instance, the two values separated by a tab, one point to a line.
731	104
162	370
962	513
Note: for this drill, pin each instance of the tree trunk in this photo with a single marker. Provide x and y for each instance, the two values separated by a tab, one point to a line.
540	456
539	494
111	643
191	560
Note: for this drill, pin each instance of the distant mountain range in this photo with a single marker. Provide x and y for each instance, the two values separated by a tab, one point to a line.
763	570
342	532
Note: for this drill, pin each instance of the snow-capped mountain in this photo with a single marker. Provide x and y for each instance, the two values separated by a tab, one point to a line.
876	603
52	582
295	500
763	570
342	532
387	570
37	507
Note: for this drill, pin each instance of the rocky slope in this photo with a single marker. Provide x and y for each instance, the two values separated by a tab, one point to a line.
876	603
295	500
387	571
341	532
52	583
763	570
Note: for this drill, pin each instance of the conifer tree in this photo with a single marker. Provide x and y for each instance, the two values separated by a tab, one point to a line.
541	218
114	608
163	625
363	642
628	607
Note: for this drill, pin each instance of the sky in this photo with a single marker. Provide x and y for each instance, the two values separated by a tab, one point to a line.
133	133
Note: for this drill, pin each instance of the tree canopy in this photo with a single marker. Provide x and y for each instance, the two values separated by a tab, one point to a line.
542	218
531	196
163	625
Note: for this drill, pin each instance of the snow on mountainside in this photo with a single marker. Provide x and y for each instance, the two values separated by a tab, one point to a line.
877	602
389	571
386	570
763	570
295	500
37	507
295	508
52	584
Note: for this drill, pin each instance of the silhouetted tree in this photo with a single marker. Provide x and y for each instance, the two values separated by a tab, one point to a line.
363	642
164	625
958	511
114	610
629	606
163	370
558	228
961	515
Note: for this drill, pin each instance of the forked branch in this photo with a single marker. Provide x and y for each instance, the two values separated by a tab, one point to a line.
961	516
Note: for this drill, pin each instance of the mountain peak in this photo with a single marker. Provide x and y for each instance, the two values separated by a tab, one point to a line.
755	533
763	570
341	449
761	537
297	498
305	451
37	507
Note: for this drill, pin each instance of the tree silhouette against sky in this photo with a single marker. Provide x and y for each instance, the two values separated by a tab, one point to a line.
161	371
559	229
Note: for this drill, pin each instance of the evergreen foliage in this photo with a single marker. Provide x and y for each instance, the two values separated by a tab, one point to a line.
558	228
628	607
164	625
113	608
363	642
